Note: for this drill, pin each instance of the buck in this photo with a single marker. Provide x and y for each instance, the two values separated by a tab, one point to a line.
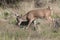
34	14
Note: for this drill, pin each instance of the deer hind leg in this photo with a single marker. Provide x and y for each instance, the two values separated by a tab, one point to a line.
50	21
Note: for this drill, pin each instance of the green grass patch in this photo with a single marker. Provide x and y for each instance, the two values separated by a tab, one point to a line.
55	16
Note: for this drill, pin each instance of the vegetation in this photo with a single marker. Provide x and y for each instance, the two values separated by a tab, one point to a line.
10	31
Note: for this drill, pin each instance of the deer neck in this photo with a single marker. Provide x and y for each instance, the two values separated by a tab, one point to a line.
24	17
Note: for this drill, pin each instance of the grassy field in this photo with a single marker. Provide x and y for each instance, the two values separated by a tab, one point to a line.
44	30
9	31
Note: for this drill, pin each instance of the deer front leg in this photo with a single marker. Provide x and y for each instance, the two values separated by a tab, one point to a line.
19	23
29	23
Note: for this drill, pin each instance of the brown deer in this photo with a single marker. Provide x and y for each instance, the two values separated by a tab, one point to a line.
34	14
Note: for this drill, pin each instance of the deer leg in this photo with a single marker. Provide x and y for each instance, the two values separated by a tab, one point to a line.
19	23
29	23
50	20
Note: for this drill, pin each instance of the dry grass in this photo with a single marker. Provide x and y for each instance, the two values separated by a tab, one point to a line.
13	32
9	31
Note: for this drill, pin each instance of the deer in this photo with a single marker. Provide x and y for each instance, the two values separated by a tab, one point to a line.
35	14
